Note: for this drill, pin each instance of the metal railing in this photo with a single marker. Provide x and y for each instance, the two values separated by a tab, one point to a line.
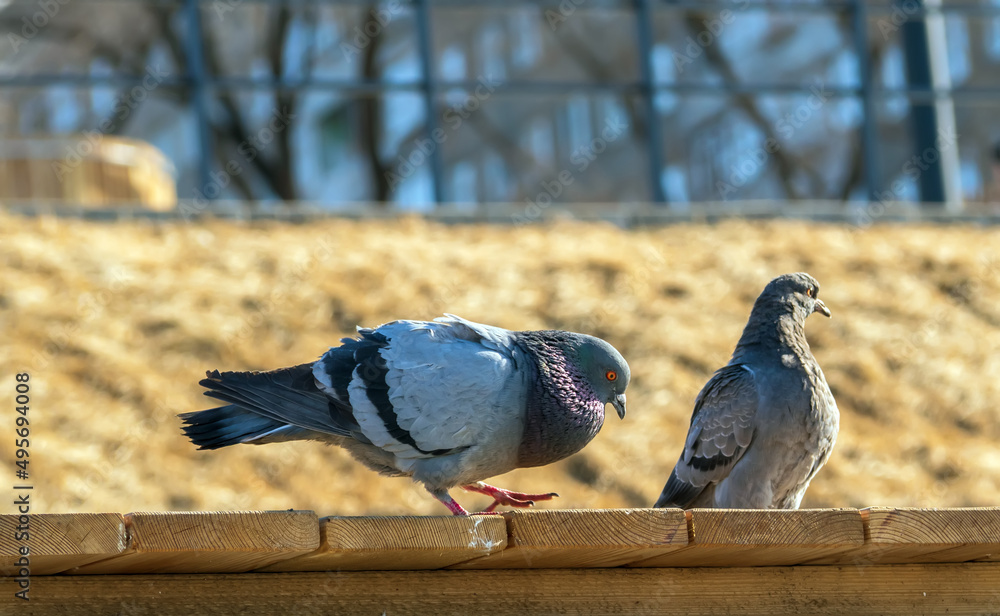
200	81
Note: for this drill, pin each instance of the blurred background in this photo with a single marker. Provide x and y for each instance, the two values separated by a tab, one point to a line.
236	184
429	102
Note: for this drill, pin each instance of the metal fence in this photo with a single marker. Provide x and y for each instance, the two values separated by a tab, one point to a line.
918	30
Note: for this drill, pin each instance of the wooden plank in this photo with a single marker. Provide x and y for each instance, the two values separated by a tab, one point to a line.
395	543
971	588
59	541
908	535
211	542
585	538
764	537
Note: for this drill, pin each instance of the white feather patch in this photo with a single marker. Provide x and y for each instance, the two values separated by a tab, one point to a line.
371	424
323	377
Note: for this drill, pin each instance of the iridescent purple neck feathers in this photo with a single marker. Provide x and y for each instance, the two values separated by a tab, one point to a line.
563	413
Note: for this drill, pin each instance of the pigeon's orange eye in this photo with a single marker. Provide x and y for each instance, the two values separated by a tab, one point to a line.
611	375
809	292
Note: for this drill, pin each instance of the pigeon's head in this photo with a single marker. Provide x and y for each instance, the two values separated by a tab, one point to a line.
605	370
797	293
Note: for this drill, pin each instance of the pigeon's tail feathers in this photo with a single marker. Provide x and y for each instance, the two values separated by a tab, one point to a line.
678	493
285	397
232	425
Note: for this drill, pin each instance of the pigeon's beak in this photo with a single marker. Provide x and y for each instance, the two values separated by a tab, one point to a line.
821	308
619	404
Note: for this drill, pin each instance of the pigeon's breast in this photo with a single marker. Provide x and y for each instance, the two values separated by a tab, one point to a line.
809	435
562	414
823	421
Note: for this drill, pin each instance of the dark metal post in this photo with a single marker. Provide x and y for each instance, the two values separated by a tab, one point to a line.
195	56
869	126
430	91
923	113
644	31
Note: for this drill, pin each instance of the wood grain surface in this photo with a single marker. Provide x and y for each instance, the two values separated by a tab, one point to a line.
211	542
754	538
956	589
57	542
586	538
394	543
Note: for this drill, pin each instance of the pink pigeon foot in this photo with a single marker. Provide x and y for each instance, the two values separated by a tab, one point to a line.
449	502
506	497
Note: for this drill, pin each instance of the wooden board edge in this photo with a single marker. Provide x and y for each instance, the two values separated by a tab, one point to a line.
885	589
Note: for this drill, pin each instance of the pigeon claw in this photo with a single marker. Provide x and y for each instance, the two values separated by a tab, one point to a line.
510	502
507	497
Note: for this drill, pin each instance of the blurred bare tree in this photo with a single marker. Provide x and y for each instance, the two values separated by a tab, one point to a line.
526	99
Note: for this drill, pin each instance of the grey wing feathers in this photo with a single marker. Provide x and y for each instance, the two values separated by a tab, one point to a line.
677	493
722	428
436	389
487	335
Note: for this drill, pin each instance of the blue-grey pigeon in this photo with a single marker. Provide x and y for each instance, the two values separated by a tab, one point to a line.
448	402
765	423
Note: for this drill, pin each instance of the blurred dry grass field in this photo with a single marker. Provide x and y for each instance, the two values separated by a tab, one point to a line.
117	322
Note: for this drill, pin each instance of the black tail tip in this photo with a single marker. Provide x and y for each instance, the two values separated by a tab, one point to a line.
205	440
200	428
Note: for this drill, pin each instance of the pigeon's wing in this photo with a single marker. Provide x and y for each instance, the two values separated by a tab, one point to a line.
415	389
722	428
424	389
